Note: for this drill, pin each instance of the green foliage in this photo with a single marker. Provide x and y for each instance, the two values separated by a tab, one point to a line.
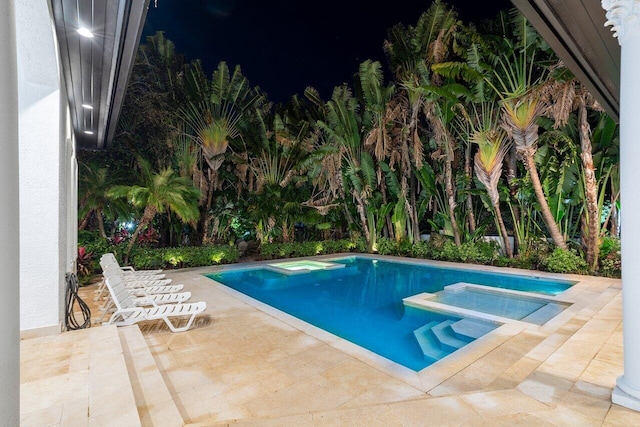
183	257
291	250
561	261
610	261
478	252
421	250
392	247
380	158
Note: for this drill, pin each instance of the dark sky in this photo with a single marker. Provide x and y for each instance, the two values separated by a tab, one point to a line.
283	46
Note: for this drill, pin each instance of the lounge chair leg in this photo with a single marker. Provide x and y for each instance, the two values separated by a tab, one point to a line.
181	329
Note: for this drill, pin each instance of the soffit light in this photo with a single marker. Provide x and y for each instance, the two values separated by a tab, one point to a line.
88	132
87	106
85	33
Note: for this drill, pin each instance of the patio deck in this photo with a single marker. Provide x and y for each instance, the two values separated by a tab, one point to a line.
245	363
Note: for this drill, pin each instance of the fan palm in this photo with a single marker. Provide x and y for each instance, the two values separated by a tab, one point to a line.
521	106
492	147
216	122
157	193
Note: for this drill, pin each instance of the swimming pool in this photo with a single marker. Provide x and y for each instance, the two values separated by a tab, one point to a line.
362	303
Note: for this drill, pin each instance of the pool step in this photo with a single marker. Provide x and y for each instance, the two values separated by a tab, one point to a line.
471	329
546	312
428	342
439	339
446	336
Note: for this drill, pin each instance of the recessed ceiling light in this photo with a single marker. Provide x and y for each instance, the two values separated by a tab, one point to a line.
85	33
87	106
88	132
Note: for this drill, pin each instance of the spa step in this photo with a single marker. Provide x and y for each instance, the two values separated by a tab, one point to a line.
428	342
545	313
471	329
446	337
152	397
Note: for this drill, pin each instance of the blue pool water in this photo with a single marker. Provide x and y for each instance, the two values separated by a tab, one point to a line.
363	301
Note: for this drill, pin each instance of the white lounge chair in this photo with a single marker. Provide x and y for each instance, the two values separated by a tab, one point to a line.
142	298
110	258
128	313
141	280
150	286
132	275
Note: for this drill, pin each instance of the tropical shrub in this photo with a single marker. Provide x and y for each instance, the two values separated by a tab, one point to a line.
387	246
421	250
84	261
479	252
148	237
610	261
565	261
532	254
290	250
183	257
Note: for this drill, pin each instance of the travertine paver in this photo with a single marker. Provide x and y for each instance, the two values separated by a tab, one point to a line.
247	364
76	378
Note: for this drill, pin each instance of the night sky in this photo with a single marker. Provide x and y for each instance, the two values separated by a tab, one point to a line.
283	46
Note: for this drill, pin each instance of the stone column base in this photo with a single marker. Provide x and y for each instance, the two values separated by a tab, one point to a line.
626	396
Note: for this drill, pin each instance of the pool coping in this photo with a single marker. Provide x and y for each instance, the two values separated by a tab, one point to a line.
436	373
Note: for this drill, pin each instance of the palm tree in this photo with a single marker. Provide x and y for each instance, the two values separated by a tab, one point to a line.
216	122
379	116
566	95
343	127
412	51
94	185
492	147
157	193
521	107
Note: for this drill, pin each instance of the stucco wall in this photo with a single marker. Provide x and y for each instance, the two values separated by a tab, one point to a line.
43	170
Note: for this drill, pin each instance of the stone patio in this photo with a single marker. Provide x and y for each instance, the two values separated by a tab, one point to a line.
245	363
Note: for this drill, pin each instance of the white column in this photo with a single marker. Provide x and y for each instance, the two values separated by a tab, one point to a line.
9	223
624	17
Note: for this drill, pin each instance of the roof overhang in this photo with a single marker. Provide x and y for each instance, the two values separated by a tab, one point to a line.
575	31
96	69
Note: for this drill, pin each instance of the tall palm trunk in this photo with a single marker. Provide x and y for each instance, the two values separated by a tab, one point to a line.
467	171
362	209
147	217
388	226
519	122
213	177
85	221
343	196
503	230
511	173
591	234
100	219
547	216
451	195
414	209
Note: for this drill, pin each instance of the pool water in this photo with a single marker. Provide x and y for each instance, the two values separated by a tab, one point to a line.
362	302
532	310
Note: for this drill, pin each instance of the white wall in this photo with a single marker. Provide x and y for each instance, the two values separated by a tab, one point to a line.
44	171
9	222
